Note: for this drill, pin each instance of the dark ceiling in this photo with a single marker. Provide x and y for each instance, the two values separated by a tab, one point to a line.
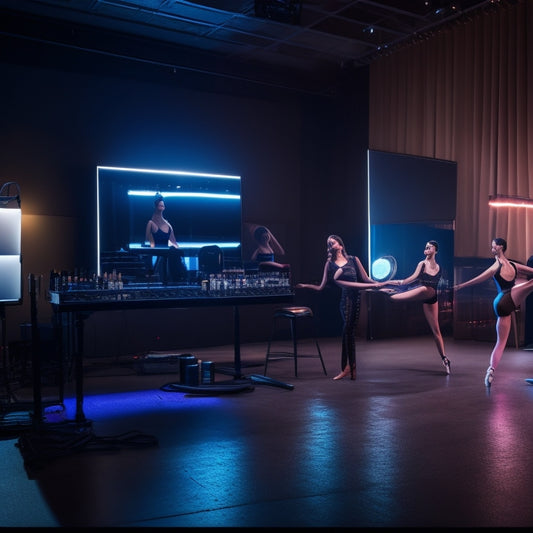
298	45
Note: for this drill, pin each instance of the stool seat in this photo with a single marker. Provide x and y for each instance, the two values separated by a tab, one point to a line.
293	314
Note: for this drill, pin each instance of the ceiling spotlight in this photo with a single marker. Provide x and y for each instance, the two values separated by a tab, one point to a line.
287	11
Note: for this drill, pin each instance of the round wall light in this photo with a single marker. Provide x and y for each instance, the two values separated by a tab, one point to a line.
384	268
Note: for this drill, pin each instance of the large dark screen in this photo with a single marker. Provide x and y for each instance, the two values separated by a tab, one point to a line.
411	200
405	188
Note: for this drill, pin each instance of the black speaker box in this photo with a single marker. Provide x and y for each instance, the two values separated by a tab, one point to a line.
158	363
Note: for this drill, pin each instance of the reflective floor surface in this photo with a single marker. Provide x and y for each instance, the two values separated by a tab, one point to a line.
403	445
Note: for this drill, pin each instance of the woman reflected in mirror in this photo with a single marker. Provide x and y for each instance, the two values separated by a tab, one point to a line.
267	249
160	233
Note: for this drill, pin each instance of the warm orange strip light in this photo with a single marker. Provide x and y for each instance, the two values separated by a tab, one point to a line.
510	201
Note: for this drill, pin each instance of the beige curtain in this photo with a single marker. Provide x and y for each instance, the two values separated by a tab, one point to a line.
466	94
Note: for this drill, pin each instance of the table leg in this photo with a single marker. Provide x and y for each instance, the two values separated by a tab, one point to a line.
237	341
78	366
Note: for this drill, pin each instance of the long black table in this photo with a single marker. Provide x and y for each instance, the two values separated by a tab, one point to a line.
77	305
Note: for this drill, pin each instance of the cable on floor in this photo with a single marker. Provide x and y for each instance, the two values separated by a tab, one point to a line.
226	387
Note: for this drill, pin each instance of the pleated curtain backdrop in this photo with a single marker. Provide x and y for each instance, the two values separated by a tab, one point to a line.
465	94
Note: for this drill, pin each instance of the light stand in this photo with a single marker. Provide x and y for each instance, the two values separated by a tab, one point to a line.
10	245
4	349
10	266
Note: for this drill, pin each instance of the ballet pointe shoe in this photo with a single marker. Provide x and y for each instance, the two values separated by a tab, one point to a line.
347	370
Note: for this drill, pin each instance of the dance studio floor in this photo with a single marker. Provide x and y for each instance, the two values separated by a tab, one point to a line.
402	446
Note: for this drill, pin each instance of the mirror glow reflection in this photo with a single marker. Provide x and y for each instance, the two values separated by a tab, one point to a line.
204	209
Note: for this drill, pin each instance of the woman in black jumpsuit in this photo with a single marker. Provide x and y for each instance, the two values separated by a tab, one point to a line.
341	266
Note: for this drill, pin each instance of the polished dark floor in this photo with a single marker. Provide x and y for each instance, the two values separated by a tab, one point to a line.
402	446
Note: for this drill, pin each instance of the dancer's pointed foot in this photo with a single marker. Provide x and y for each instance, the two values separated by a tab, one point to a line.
489	376
447	365
347	370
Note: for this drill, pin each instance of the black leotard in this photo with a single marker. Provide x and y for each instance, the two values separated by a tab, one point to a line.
263	258
161	237
432	281
172	266
503	303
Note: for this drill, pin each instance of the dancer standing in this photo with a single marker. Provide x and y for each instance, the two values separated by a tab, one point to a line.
340	265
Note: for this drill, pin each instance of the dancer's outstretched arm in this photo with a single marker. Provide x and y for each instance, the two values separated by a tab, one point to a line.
409	279
314	286
357	284
484	276
523	270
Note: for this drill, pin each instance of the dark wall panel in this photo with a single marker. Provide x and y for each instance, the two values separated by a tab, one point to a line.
405	188
65	112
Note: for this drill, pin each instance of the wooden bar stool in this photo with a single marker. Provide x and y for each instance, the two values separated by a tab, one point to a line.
293	314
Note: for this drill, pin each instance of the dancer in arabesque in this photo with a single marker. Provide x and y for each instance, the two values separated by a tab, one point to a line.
510	296
422	286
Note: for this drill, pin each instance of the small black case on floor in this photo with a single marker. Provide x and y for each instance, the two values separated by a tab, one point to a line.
158	362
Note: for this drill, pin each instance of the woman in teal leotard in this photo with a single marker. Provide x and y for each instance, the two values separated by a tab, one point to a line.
510	296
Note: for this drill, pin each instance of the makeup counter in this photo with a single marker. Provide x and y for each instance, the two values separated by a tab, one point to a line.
75	300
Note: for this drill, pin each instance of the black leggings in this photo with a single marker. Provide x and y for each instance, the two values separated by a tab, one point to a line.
349	307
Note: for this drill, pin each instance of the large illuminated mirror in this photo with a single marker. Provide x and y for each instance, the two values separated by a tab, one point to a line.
204	209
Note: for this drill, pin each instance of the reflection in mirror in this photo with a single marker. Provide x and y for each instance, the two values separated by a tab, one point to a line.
264	251
204	209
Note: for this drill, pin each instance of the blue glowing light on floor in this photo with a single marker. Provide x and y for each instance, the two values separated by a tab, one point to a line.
112	405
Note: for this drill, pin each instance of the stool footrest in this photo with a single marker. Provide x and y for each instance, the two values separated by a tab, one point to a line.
283	355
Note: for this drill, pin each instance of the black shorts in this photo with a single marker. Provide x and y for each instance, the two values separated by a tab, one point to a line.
433	299
503	304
